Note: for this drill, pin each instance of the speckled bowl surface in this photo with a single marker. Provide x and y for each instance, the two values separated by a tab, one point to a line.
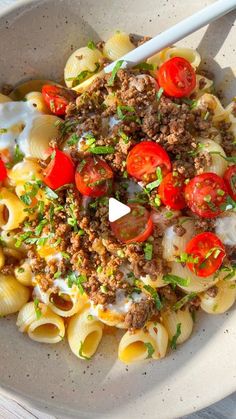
36	39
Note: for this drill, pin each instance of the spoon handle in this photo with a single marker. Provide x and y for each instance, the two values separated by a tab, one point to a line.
175	33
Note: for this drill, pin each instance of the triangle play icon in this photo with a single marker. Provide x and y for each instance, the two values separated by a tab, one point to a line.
117	209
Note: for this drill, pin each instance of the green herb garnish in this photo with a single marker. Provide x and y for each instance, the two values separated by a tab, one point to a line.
38	312
150	349
148	251
155	183
159	93
91	45
175	280
183	301
154	295
173	341
144	66
81	352
74	138
114	72
102	149
85	74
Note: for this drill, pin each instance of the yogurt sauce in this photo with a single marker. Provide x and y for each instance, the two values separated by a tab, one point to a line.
16	120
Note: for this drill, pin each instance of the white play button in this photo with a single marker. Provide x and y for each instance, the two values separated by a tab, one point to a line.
117	209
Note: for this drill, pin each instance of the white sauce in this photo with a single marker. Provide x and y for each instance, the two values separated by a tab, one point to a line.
226	229
41	295
17	118
57	256
62	285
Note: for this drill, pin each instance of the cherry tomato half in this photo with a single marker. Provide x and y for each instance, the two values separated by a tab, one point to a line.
93	177
136	226
230	181
60	171
171	191
56	98
208	251
3	171
205	195
144	158
177	77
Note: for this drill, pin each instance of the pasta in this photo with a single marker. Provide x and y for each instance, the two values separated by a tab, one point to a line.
194	282
173	245
84	334
41	324
181	317
83	60
154	137
144	344
118	45
11	210
13	295
218	163
222	301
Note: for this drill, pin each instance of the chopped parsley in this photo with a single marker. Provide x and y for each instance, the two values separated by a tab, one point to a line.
185	257
38	312
20	270
18	155
90	317
3	130
99	269
102	149
81	352
129	115
150	349
104	289
91	45
144	66
192	103
57	274
72	278
183	301
230	204
114	72
173	341
231	159
124	137
154	295
148	251
85	74
74	138
175	280
50	193
150	186
230	272
39	228
159	93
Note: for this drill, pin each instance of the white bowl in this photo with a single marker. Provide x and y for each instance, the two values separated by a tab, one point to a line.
36	39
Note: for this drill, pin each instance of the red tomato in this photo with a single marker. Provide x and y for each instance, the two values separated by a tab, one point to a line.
56	98
93	177
171	191
144	158
60	171
205	194
177	77
3	171
208	251
230	181
136	226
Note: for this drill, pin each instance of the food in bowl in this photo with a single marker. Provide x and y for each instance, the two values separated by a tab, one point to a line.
156	138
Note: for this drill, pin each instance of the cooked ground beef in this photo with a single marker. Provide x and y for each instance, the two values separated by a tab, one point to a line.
139	314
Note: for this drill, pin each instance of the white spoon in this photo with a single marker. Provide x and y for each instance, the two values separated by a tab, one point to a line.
174	34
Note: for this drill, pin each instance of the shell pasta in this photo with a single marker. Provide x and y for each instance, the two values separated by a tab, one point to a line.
154	137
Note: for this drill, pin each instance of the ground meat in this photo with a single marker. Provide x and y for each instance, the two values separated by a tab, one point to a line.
194	304
231	253
202	161
204	224
168	295
179	230
213	291
227	137
202	83
139	314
